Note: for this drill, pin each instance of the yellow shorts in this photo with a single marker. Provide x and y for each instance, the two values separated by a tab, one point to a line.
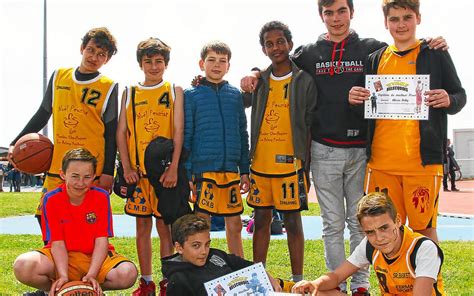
144	202
415	197
78	264
284	193
51	183
218	193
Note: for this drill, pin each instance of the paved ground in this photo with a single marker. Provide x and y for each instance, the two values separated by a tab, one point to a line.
456	221
458	204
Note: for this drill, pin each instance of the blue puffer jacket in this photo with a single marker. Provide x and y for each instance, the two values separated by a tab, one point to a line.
215	129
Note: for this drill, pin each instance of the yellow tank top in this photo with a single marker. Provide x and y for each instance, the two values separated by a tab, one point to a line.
77	108
274	153
398	276
153	118
396	143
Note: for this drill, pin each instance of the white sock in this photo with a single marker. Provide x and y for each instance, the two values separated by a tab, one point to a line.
147	278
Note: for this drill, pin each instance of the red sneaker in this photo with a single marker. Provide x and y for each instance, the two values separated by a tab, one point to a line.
145	289
360	292
163	284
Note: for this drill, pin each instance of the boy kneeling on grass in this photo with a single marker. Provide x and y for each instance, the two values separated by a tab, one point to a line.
195	263
405	262
77	224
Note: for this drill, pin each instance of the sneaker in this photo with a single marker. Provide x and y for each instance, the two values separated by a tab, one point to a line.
163	285
145	289
35	293
341	290
360	292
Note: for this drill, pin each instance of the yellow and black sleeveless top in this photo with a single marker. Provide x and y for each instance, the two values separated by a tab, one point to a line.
397	276
274	154
77	108
153	118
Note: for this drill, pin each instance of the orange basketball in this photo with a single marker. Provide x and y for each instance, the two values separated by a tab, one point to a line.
32	153
76	288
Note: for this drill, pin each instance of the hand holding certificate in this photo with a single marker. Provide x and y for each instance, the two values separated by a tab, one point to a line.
396	97
252	280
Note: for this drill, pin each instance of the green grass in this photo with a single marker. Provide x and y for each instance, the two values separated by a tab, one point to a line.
25	203
458	268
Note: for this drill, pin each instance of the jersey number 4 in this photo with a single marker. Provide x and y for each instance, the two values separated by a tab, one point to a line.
165	100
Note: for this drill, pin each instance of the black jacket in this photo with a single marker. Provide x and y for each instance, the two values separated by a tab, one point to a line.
187	279
172	202
433	132
336	68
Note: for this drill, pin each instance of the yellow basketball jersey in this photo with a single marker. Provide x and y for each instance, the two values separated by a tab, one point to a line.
153	118
397	276
274	153
396	143
77	108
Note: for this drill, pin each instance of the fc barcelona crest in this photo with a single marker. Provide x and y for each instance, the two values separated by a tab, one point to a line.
91	218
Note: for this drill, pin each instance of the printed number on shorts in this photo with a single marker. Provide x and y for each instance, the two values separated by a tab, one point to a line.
292	189
233	196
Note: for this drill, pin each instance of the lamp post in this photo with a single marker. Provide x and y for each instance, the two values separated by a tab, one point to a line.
45	58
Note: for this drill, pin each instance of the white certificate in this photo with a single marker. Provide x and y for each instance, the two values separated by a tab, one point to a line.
397	96
252	280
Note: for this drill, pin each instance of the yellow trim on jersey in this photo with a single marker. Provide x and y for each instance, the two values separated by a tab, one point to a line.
154	109
77	108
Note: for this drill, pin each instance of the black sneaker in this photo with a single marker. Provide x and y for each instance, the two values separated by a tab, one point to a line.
35	293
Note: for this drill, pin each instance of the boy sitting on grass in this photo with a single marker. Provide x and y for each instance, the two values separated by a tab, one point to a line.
196	263
77	226
405	262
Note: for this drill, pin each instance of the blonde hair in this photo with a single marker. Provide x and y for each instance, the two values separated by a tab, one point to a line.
376	204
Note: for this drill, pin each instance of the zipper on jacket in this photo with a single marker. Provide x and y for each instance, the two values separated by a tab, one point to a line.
223	124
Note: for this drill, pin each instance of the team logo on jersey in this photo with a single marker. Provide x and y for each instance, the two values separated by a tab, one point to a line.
91	218
272	117
152	126
63	87
138	194
421	198
208	192
253	187
70	121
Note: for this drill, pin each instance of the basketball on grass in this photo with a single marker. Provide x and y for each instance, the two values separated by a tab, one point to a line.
76	288
32	153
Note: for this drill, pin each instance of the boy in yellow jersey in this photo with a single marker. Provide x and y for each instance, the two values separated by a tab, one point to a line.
405	262
83	104
406	156
150	109
215	133
282	104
